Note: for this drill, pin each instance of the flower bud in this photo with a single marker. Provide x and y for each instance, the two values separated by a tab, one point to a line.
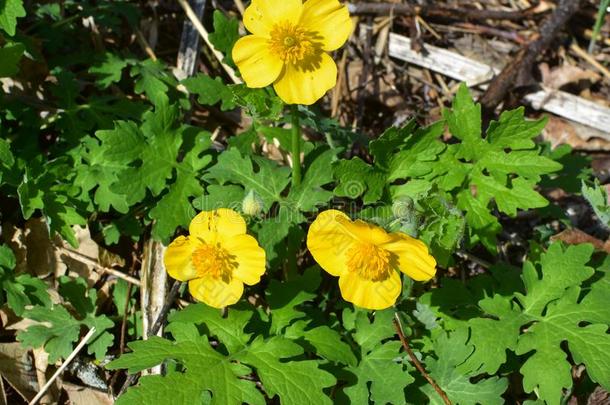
403	207
252	204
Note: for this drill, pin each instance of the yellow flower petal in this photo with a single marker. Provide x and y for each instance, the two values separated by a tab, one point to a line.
215	292
328	241
369	233
257	65
223	222
262	15
412	257
307	81
370	294
330	20
249	257
177	259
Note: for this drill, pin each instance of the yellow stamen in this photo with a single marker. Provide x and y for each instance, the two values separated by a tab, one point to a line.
293	43
212	261
369	261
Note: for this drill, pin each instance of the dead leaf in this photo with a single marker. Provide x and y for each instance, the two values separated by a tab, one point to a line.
558	77
33	248
86	247
577	237
17	369
86	396
559	131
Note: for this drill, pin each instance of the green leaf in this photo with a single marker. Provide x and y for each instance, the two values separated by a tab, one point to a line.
229	330
370	334
384	147
57	202
387	377
58	338
598	198
206	370
10	10
226	33
260	104
152	79
357	178
7	257
22	290
109	70
451	351
519	195
419	153
529	165
464	122
308	195
556	317
268	182
284	298
58	330
10	55
513	131
326	342
229	196
157	157
295	382
6	156
210	91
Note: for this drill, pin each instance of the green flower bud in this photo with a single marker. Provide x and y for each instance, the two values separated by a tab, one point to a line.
403	207
252	204
407	216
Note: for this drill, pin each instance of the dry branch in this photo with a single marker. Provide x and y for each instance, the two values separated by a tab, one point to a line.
475	73
439	11
519	69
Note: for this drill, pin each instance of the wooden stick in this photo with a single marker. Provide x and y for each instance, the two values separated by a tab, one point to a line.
171	297
152	292
240	6
60	370
475	73
188	51
440	11
519	69
206	38
145	45
92	262
416	362
586	56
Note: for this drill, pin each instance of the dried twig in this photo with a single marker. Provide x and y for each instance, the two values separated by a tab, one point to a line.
189	41
92	262
416	362
65	364
145	45
171	297
474	73
583	54
440	11
205	36
517	71
153	288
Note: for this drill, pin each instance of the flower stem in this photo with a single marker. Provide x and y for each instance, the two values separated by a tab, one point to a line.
416	362
295	151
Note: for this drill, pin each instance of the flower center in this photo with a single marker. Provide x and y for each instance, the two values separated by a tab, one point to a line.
369	261
212	261
292	43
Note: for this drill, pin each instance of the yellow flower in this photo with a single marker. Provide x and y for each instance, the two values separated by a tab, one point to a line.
217	258
367	259
289	44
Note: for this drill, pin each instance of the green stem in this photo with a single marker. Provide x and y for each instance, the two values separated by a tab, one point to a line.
295	151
